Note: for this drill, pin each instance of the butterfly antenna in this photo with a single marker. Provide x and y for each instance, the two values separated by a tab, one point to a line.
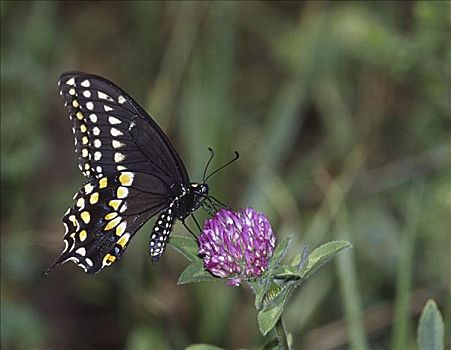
237	155
212	154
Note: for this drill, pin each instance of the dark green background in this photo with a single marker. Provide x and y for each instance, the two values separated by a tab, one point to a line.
341	112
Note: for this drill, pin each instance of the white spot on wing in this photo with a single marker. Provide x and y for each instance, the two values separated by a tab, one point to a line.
118	157
66	245
113	120
107	108
102	95
117	144
81	251
72	258
97	143
97	155
85	83
115	132
121	99
93	117
87	93
90	106
88	188
123	208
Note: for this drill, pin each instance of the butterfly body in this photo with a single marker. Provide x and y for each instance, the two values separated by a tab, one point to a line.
186	201
133	171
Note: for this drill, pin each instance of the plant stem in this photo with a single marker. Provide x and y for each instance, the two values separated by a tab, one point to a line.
281	335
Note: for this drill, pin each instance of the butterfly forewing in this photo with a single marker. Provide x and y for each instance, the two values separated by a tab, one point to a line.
112	132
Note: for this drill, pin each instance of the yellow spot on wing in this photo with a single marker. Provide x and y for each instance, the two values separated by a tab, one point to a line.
108	259
113	223
94	198
115	203
123	240
122	192
80	115
83	128
85	140
126	178
110	216
85	216
75	103
70	81
121	228
103	182
83	234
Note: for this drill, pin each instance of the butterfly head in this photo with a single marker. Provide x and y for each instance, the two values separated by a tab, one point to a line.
199	192
201	189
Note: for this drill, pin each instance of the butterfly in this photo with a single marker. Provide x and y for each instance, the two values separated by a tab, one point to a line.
133	172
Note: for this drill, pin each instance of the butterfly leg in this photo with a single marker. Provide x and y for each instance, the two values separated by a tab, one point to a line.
189	230
197	223
217	201
208	208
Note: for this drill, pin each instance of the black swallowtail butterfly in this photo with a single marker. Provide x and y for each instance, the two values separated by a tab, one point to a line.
134	174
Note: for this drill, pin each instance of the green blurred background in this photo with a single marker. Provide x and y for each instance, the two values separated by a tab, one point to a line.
341	112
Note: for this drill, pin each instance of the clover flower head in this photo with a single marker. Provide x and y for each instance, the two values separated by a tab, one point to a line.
237	245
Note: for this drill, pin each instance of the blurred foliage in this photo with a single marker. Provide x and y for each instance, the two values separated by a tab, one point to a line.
341	112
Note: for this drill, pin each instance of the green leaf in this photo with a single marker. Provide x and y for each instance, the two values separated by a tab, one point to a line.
260	287
287	273
300	259
431	328
287	279
322	255
279	252
195	272
268	319
185	245
203	347
271	312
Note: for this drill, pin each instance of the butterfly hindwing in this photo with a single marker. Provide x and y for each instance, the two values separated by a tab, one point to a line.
106	214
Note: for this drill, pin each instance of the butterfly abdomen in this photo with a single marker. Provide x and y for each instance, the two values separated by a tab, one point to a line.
160	232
